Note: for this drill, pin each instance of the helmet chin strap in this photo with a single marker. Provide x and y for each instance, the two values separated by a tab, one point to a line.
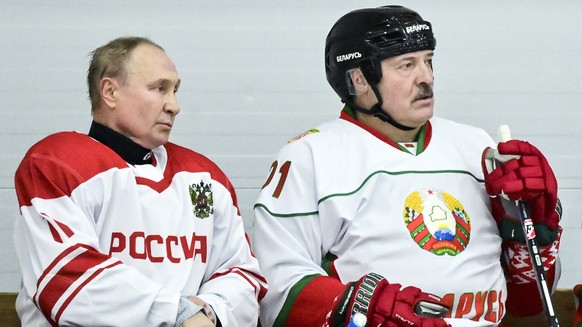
377	111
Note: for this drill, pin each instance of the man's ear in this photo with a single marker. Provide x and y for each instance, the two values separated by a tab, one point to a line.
357	83
108	91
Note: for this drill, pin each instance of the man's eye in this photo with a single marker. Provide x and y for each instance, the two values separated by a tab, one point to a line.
406	65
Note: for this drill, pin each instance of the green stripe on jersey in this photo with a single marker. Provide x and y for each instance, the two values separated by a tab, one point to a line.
406	172
285	215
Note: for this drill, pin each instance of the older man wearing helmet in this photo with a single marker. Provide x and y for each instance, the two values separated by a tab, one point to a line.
385	213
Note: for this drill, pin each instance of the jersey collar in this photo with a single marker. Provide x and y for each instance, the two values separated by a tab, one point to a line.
130	151
423	137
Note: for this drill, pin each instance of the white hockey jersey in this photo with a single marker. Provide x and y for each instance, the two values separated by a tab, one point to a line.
342	200
105	243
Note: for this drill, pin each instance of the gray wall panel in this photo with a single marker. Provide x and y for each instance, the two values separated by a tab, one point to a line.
253	77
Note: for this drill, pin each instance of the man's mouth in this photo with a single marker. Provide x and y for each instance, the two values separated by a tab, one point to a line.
423	97
424	93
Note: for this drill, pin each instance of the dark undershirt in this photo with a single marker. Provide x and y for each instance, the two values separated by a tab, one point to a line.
130	151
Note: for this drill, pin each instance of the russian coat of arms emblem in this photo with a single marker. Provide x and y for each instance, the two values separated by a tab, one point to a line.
202	201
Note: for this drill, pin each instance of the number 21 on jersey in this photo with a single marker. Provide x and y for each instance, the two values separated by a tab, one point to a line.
283	172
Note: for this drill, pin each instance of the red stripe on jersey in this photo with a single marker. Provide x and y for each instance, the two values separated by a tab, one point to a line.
262	291
78	289
66	276
57	260
262	281
220	274
65	228
55	234
249	244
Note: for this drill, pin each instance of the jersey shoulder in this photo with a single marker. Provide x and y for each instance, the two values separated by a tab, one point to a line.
320	139
189	159
59	163
452	129
330	129
184	159
75	150
304	134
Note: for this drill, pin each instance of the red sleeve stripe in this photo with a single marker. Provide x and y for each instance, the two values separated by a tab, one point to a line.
62	228
68	274
65	229
58	259
255	275
249	245
55	234
260	289
255	286
80	287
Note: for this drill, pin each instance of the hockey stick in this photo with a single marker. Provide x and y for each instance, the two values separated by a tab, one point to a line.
504	135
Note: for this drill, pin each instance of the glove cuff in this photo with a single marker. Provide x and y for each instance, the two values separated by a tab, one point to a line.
518	262
356	298
338	316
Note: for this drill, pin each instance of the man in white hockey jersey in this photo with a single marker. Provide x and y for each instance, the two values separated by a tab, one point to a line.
385	210
121	227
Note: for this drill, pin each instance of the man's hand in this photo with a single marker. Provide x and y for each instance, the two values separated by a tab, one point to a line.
525	176
528	178
207	311
198	320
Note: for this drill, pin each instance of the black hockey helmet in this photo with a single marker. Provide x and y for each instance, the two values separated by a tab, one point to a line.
362	38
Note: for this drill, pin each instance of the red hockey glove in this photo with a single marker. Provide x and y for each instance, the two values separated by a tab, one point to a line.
528	177
387	305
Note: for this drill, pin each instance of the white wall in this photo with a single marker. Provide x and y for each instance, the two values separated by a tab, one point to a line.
253	77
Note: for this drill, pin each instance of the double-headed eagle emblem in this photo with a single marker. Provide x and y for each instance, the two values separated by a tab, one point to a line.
202	201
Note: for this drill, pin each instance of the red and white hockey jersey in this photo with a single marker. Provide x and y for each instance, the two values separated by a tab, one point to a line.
105	243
